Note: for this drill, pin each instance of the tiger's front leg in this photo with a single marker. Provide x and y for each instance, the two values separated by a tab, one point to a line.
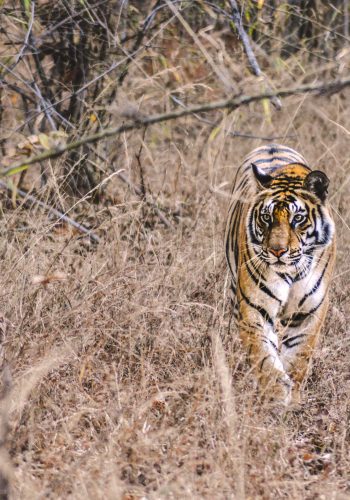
299	338
257	333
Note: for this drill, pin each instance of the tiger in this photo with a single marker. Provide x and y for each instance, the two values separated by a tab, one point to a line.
280	249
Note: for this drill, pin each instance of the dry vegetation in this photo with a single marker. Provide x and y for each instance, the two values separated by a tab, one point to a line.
128	380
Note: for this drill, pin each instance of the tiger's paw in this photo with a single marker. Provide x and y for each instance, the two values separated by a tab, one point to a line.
278	391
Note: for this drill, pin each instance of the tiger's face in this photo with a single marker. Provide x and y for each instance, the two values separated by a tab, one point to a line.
286	226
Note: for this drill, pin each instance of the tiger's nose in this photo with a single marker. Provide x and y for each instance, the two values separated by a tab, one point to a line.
278	252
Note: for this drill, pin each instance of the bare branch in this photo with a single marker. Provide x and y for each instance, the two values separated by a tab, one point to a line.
44	103
237	19
27	37
141	121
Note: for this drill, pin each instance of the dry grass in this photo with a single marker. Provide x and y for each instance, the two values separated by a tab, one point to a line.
128	381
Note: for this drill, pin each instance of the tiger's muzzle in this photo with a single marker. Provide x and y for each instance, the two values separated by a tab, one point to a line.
278	252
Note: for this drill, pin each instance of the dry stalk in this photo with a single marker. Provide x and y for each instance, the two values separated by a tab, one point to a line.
229	411
61	216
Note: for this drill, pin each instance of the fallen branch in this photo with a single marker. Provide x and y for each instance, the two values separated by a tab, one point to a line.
54	211
141	121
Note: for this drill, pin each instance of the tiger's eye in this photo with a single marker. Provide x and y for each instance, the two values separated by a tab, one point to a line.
299	218
266	217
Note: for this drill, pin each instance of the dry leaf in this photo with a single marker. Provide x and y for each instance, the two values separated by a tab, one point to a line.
45	141
308	457
28	144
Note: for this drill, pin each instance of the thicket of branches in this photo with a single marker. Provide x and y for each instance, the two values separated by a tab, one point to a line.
63	64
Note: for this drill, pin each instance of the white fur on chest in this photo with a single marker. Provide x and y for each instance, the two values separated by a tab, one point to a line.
306	293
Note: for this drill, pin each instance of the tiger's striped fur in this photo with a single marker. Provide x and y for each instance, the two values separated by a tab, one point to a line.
280	249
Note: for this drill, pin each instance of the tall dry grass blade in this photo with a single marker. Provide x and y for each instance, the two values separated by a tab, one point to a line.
229	413
6	467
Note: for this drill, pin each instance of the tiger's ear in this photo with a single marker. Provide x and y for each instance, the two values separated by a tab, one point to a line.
317	183
263	179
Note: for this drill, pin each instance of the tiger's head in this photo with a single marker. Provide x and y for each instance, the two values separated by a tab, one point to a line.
290	218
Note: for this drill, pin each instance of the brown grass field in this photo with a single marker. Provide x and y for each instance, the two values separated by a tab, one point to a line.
127	379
